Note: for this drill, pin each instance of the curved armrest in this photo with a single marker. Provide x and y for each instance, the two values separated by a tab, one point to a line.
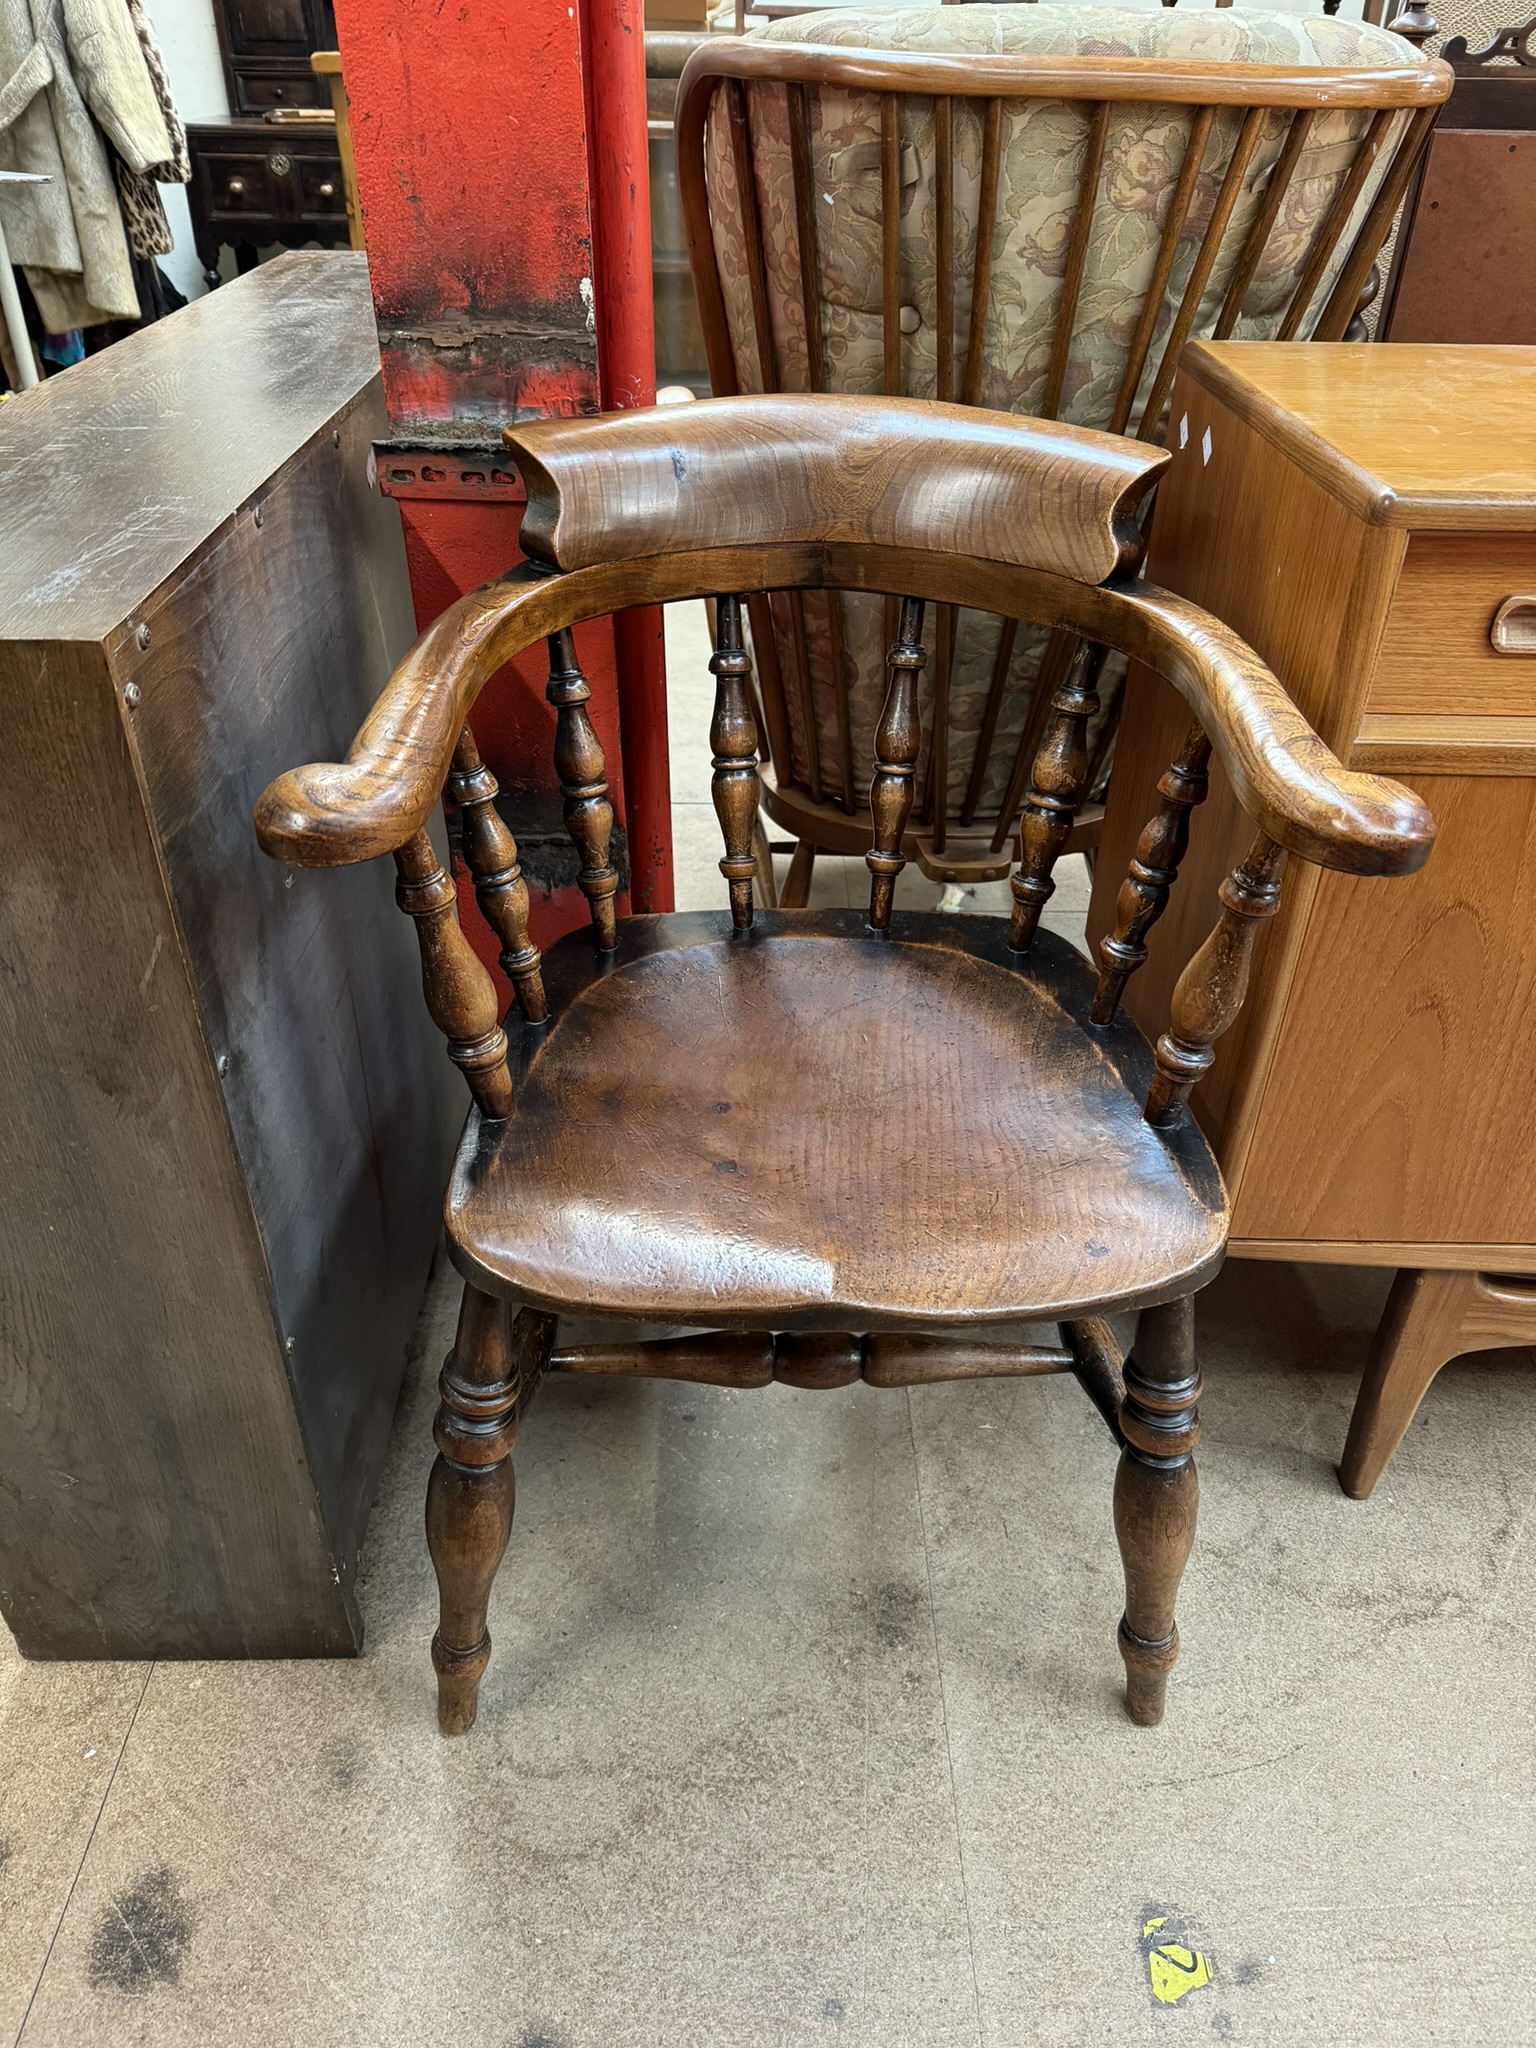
333	813
1293	787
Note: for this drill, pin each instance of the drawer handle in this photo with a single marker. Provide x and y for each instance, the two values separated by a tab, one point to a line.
1514	625
327	190
235	186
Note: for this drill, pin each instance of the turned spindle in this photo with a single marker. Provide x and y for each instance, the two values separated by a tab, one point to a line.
1210	991
1153	871
490	854
1057	783
580	766
460	993
897	739
487	1382
733	736
1157	1498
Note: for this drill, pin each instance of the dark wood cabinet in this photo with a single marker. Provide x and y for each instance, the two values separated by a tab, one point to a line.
266	46
258	182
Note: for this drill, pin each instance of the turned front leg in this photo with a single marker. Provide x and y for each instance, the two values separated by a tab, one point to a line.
487	1381
1157	1497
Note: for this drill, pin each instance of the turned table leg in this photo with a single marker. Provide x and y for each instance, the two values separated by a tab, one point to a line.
1430	1318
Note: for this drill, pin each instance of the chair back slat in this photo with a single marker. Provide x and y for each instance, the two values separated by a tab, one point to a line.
897	740
1002	662
838	662
936	806
1345	298
944	244
890	242
1162	269
981	259
738	118
1077	259
805	684
1254	123
804	177
1328	236
1263	224
733	738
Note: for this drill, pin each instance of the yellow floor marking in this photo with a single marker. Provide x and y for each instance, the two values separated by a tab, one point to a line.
1173	1969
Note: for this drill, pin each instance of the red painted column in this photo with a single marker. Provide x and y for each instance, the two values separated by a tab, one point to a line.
481	204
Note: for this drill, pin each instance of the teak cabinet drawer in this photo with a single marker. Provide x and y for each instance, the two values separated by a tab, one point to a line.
1437	653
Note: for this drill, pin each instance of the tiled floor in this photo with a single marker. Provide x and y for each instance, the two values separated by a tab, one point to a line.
802	1727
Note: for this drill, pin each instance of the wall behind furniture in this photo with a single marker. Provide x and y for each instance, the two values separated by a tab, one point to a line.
190	42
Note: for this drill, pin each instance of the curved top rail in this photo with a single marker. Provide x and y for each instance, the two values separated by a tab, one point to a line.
1019	75
874	472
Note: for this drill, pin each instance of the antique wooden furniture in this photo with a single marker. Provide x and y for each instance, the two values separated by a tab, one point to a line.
221	1120
1374	1103
1464	265
257	182
850	1147
266	47
986	216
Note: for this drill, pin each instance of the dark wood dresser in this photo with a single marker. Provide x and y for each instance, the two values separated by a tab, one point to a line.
257	182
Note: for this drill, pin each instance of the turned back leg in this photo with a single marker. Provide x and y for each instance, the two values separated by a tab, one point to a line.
486	1383
1157	1495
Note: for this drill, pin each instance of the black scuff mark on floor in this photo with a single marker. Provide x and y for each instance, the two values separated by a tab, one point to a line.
141	1937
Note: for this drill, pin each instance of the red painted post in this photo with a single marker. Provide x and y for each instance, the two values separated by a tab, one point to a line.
479	197
613	35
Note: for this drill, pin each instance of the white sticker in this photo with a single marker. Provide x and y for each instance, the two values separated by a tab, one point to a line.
1205	447
1184	431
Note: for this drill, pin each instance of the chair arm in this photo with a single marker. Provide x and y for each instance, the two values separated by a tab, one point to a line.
1295	790
333	813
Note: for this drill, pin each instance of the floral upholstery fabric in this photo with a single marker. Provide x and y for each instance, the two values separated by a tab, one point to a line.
1043	147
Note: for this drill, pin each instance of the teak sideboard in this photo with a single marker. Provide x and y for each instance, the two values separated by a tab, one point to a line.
1366	518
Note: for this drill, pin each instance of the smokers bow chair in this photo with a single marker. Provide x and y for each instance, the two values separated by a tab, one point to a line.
845	1146
1031	209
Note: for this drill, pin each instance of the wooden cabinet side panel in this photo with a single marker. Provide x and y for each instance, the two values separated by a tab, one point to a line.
1402	1088
268	651
153	1492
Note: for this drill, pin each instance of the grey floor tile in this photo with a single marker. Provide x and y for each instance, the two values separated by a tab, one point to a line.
708	1800
62	1730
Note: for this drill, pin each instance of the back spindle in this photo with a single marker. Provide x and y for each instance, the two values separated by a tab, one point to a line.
897	739
1057	784
580	766
490	854
1210	991
733	736
1153	871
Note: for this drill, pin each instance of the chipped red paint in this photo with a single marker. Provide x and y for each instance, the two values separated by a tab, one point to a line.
470	128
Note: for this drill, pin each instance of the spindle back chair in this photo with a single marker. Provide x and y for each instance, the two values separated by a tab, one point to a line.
1030	208
847	1147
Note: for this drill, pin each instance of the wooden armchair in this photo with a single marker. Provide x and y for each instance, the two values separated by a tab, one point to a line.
843	1147
1028	208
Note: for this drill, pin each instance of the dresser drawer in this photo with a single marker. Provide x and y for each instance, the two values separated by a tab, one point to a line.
1437	654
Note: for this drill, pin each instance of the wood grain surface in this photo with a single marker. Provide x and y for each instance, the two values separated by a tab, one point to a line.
1472	468
328	814
798	1133
1436	653
883	472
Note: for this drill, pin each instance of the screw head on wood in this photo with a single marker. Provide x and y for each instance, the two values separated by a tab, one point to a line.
142	639
256	514
132	695
222	1064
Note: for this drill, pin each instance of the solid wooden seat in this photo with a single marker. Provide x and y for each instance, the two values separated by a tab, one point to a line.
799	1125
